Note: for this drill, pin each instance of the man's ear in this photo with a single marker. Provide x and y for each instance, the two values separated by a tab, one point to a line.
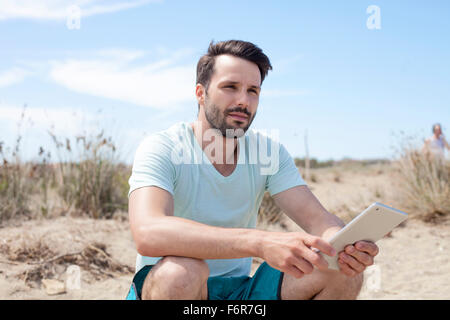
200	93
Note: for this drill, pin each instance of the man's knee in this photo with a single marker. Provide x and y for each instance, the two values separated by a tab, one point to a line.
180	268
176	275
350	286
322	285
356	284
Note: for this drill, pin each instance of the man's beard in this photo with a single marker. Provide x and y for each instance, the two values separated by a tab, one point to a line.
217	120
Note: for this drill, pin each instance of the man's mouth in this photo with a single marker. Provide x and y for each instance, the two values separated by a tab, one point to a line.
239	116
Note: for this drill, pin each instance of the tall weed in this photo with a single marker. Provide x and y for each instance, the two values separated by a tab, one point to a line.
14	189
94	182
425	184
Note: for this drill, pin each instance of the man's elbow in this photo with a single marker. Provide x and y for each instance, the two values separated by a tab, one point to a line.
146	242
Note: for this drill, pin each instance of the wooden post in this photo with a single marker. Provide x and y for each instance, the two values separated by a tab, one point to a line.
306	156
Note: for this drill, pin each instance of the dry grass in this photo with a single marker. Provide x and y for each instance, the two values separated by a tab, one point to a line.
269	213
94	183
84	176
425	185
14	189
45	264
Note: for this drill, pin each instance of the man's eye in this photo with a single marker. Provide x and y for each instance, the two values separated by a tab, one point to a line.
230	86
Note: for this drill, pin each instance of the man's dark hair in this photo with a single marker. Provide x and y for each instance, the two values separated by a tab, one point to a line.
238	48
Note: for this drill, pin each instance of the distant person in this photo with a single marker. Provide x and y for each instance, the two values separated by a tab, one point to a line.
435	145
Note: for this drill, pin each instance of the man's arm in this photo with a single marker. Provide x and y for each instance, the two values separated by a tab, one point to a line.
157	232
300	204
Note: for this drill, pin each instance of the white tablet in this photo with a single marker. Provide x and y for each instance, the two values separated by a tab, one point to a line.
371	225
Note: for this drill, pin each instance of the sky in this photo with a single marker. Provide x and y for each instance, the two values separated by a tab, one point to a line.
351	78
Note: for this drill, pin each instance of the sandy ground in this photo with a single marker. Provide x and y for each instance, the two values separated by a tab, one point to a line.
62	236
414	262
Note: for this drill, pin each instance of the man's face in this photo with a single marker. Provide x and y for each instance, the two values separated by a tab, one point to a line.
233	94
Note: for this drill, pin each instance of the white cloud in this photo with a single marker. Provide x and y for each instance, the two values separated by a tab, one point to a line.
120	54
58	9
12	76
114	74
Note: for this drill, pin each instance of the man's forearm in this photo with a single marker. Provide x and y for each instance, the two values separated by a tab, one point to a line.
176	236
300	204
327	224
329	232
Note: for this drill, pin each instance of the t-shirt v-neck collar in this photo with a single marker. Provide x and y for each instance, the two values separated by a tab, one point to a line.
204	160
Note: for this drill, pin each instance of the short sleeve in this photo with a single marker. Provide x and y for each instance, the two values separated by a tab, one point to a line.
287	175
152	165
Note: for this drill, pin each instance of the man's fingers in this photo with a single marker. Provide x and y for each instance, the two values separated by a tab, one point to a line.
366	246
352	262
319	243
360	256
314	258
293	271
345	269
302	264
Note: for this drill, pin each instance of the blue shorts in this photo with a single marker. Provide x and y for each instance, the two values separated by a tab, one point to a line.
264	285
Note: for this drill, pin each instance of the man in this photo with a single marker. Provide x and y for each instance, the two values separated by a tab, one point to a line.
436	144
200	215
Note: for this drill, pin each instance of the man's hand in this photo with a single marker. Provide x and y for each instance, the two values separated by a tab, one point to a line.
293	252
355	258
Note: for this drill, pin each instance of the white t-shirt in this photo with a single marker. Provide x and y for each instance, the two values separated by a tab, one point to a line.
174	161
436	146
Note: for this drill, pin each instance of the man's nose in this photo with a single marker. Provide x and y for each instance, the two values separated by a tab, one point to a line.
243	99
